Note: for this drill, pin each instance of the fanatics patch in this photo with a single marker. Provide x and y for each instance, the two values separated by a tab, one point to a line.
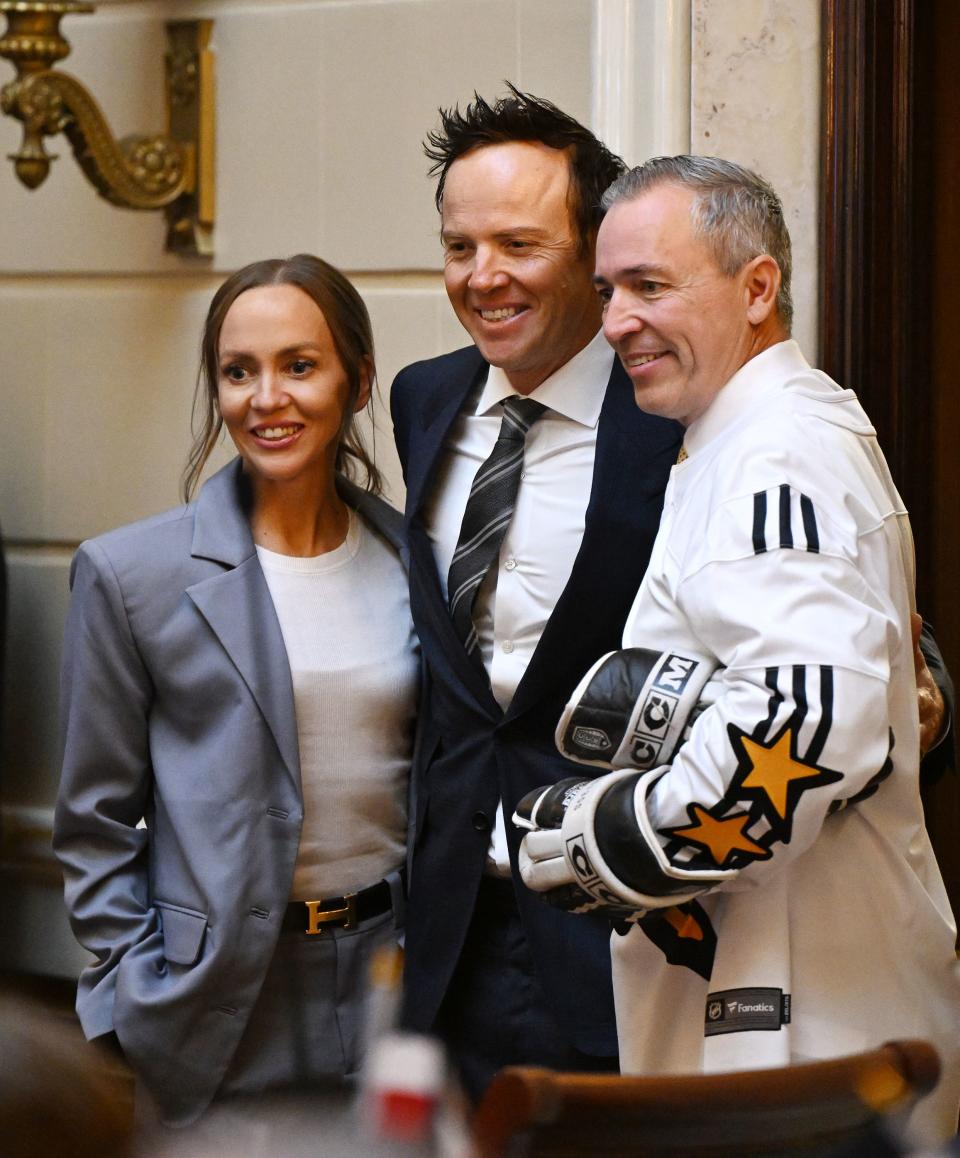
739	1010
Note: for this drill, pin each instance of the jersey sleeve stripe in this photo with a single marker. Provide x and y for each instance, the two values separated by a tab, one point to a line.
792	508
776	699
826	715
799	696
810	525
759	522
786	531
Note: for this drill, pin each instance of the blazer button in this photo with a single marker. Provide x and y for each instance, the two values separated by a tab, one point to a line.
481	822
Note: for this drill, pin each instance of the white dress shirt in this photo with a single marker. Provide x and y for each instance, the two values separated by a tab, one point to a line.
536	557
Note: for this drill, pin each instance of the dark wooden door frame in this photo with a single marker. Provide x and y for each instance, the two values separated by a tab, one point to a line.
872	306
884	255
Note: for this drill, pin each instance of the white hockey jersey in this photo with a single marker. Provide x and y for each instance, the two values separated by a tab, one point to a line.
785	553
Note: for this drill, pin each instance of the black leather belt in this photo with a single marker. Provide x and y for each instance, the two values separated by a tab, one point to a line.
344	912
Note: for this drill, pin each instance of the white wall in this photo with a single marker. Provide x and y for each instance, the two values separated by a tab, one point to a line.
321	105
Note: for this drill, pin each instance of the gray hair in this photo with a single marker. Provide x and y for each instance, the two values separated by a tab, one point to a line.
734	210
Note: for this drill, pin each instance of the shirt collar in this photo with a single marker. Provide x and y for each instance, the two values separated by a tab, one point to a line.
575	390
765	372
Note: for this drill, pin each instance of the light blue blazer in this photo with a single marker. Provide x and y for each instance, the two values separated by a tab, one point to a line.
177	707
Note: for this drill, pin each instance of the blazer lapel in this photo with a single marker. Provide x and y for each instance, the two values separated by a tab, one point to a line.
238	607
239	610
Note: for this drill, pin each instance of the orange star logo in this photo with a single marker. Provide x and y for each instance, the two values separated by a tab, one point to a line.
684	924
721	838
774	771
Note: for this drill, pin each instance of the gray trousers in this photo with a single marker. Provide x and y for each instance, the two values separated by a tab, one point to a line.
307	1026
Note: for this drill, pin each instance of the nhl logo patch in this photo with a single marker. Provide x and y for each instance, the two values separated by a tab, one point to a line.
742	1010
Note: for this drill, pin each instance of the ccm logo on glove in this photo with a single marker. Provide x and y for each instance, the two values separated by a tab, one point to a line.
635	707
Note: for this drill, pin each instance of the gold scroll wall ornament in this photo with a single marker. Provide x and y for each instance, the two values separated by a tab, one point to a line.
173	171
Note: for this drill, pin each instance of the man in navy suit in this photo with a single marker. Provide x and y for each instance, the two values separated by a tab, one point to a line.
502	977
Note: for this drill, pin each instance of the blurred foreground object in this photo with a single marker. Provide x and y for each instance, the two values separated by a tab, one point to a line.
56	1101
409	1103
852	1106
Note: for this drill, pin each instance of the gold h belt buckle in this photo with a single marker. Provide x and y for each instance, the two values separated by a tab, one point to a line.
317	917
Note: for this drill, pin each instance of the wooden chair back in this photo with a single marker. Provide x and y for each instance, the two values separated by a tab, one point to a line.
825	1109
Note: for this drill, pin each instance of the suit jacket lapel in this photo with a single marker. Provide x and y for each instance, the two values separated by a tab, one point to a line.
437	414
438	411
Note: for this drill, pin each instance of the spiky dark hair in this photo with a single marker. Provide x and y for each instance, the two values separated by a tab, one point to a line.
524	117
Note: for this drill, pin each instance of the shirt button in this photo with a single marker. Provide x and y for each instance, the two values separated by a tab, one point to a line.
481	822
507	646
523	474
510	564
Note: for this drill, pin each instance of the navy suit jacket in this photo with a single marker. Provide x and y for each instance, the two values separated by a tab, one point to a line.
472	753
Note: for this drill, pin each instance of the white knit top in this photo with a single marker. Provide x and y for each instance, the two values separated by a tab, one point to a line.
345	619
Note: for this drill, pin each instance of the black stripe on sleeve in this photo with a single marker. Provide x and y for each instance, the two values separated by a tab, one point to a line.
826	715
799	695
776	699
810	525
786	532
759	521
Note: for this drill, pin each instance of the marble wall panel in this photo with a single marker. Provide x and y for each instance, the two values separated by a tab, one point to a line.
99	377
408	324
755	97
554	44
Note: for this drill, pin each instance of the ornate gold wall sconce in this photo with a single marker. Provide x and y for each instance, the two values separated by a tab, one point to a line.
172	171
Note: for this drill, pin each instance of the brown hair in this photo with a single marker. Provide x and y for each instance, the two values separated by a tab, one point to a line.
349	322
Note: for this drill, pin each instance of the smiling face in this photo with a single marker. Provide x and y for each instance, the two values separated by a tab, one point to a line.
515	271
680	326
282	390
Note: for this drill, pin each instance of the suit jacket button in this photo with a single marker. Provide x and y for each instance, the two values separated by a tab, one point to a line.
481	822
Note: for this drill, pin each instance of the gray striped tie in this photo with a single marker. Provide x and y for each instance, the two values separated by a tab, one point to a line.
489	510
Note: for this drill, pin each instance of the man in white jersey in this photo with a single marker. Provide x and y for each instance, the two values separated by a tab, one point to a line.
777	894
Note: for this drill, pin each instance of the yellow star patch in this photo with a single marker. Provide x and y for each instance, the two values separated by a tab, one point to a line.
720	837
774	771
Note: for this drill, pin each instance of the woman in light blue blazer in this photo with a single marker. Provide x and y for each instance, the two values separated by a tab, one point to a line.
239	688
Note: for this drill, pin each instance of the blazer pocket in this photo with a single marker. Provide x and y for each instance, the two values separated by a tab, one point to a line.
183	931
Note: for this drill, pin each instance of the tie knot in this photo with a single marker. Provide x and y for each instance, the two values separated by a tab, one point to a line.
519	414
